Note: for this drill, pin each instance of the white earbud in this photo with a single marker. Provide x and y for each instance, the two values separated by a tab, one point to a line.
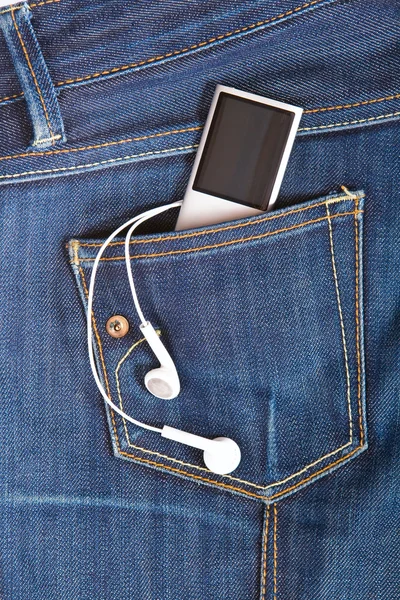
162	382
221	455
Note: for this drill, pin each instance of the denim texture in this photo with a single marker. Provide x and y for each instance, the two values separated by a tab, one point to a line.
221	287
29	64
291	318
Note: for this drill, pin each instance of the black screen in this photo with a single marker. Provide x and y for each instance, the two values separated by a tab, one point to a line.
243	151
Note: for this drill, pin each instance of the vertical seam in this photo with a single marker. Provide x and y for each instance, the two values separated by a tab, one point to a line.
346	360
275	550
96	332
357	301
33	75
264	555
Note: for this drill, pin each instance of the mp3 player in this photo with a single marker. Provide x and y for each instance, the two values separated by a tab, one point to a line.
241	159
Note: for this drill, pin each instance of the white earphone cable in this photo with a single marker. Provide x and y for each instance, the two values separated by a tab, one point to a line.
129	268
135	221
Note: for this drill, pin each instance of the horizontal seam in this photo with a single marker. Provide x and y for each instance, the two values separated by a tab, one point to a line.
198	45
306	111
352	104
103	145
49	139
350	122
173	131
227	243
193	46
8	10
333	200
235	488
35	4
98	163
20	95
245	481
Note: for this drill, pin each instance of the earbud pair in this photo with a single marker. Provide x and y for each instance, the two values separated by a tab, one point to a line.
221	455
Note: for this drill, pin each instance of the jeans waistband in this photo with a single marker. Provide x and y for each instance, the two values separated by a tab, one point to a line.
131	68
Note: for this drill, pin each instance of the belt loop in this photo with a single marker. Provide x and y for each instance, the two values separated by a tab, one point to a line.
30	66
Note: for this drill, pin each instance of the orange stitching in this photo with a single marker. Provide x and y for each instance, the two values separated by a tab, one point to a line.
103	364
12	9
264	571
352	105
228	243
306	111
192	47
11	97
357	309
228	227
358	331
224	485
44	2
200	44
146	450
33	5
234	488
32	73
119	365
275	548
103	145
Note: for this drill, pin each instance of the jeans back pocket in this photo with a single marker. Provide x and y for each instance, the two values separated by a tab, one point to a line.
263	318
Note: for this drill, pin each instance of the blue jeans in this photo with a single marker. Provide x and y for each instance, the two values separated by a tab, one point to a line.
283	327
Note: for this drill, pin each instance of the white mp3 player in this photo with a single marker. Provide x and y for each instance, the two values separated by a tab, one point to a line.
241	159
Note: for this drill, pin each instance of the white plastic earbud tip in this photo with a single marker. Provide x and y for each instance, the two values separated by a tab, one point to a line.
160	388
225	459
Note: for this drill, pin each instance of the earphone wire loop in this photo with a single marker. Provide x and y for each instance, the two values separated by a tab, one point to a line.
142	217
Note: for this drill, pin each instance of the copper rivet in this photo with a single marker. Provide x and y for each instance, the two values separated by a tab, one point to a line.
117	326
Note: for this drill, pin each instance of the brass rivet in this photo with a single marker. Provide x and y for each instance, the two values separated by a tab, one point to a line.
117	326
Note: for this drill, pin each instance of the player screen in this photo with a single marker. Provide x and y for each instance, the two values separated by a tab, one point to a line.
243	151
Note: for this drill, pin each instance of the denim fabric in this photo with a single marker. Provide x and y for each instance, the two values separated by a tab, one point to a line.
284	327
29	64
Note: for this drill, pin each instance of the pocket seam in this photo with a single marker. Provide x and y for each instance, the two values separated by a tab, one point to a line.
359	403
342	327
229	242
253	221
232	478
